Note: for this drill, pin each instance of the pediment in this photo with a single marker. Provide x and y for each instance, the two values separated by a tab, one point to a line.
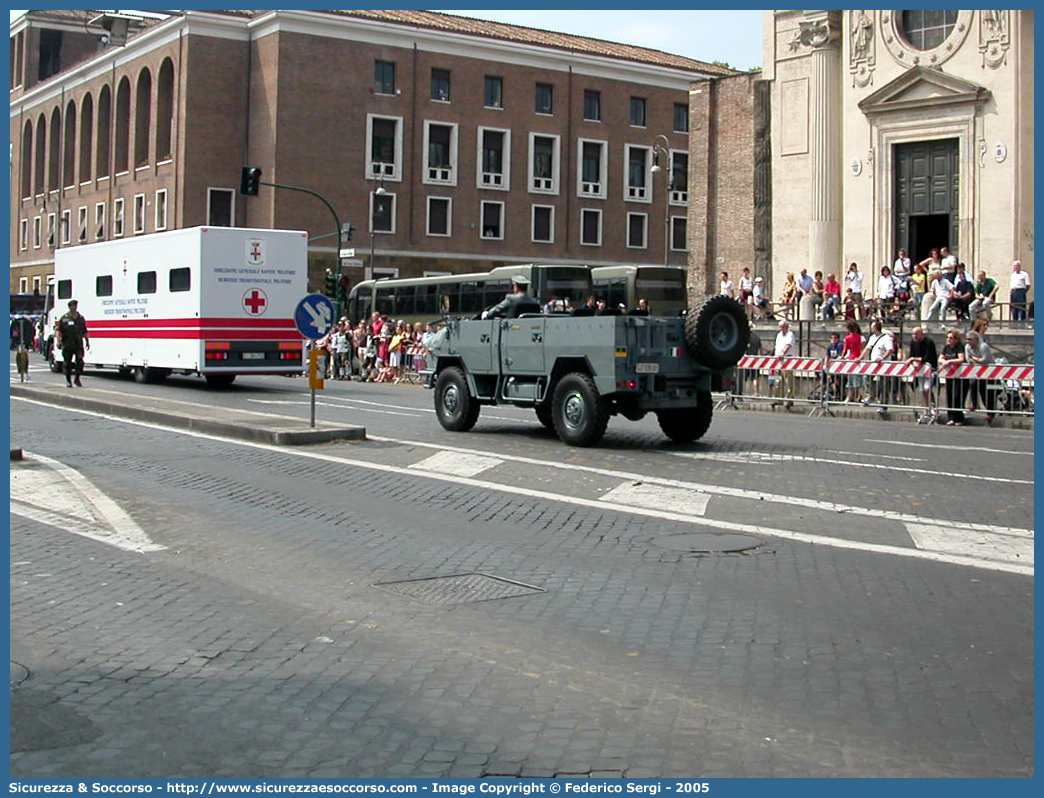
923	87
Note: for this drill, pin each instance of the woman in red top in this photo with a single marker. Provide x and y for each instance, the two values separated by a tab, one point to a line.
853	351
832	289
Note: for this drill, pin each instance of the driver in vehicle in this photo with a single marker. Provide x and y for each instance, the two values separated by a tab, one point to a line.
514	304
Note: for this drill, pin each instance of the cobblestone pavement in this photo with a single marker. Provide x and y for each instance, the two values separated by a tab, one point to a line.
257	645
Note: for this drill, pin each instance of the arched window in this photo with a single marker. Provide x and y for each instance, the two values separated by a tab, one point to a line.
27	160
69	148
122	127
86	137
54	151
39	171
165	111
142	118
104	124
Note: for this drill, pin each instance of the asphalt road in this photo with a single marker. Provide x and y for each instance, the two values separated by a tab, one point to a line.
786	597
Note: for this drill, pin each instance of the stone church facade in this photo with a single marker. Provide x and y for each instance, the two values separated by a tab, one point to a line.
900	129
866	132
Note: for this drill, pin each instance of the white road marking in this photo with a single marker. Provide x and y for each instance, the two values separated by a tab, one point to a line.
949	447
463	465
954	540
643	494
757	530
60	496
770	457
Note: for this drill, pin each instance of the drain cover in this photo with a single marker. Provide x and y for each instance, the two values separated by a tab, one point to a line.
706	542
459	589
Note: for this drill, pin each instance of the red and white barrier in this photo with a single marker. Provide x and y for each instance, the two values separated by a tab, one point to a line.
974	371
804	365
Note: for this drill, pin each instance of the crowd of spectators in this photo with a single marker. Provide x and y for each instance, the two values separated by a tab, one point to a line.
379	349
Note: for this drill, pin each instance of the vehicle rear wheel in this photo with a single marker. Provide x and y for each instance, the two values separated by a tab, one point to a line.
579	412
146	375
688	424
456	408
545	416
717	332
219	380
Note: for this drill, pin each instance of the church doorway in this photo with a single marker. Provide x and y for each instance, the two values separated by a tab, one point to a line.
927	196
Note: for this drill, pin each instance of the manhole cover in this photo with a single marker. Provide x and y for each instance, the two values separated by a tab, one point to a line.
706	542
459	589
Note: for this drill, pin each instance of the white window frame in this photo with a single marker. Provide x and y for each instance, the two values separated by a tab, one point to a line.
532	225
99	220
37	232
645	231
678	197
139	214
394	208
376	169
160	210
37	284
384	273
551	184
449	218
637	193
211	190
23	285
117	216
674	219
597	211
441	176
66	226
52	231
482	220
489	179
23	235
585	189
81	224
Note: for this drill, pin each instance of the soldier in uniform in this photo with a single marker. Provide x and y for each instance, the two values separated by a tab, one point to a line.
72	337
514	304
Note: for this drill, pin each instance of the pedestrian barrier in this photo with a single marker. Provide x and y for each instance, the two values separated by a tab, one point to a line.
998	388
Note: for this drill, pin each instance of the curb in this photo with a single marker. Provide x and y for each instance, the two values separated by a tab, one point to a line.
242	424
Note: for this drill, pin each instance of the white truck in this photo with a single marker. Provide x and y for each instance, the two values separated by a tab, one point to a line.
214	301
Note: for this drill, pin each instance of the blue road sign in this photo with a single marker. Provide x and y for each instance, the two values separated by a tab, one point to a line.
314	316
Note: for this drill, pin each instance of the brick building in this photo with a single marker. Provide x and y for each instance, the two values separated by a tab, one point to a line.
448	143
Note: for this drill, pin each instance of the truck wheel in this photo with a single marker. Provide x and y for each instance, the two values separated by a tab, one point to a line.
689	424
219	380
146	375
580	414
455	407
717	332
545	416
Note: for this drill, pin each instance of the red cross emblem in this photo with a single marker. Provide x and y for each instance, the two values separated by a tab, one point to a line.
255	302
255	253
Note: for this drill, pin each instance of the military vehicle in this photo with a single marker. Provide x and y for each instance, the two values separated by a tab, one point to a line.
576	372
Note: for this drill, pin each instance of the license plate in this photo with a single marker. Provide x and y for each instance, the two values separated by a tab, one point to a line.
647	368
253	356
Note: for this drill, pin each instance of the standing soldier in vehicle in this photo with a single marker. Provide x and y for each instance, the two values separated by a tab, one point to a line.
72	337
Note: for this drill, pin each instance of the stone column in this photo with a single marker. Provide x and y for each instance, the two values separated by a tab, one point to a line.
821	32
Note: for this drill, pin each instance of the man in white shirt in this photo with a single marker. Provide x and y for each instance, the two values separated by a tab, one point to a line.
1020	283
902	265
942	290
746	285
880	347
727	288
949	263
854	283
784	348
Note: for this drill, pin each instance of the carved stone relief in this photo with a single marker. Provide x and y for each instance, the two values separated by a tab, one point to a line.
863	57
994	37
901	50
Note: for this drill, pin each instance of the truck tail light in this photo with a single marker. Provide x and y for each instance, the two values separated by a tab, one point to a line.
626	385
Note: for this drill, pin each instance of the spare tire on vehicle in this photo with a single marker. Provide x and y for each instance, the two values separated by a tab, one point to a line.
716	332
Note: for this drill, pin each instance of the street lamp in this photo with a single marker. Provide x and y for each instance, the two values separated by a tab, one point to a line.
377	192
662	147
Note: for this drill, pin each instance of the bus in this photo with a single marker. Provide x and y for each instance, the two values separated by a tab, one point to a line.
663	286
413	299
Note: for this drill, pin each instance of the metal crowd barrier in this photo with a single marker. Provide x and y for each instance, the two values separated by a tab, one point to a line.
995	389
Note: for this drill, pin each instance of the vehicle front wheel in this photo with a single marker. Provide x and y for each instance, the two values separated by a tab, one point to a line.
579	412
456	408
147	375
688	424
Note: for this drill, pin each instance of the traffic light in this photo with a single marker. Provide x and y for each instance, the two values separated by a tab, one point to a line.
250	181
331	284
342	288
